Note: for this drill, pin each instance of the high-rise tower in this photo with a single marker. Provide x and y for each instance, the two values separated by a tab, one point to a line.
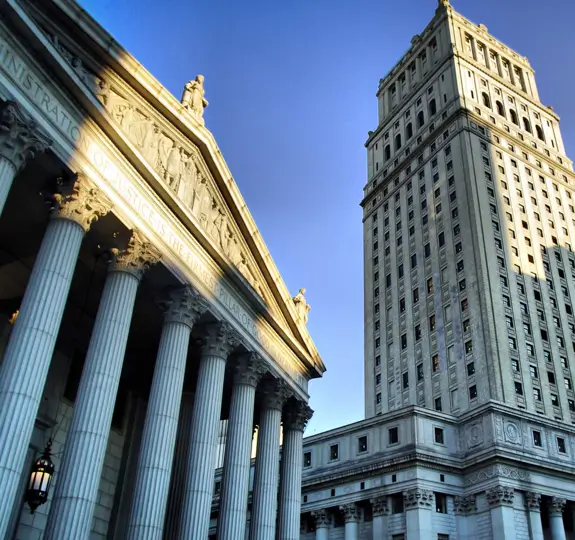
469	228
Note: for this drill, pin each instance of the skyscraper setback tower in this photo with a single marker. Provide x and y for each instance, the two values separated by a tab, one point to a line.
469	228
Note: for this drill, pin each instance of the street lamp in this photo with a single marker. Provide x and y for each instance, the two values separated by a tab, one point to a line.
40	479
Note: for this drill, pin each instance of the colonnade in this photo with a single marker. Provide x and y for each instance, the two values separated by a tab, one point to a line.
29	352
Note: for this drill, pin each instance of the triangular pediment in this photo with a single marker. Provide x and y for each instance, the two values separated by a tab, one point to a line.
183	157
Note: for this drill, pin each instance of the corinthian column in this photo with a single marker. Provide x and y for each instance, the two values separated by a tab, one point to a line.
27	357
295	419
322	524
183	308
380	511
351	516
417	503
218	341
500	500
236	475
556	518
20	140
265	490
533	505
85	448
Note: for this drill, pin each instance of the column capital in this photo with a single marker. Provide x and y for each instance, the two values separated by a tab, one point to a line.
533	501
500	495
556	506
183	304
20	138
417	498
249	368
137	257
350	512
464	505
322	518
275	393
79	200
218	339
296	415
379	506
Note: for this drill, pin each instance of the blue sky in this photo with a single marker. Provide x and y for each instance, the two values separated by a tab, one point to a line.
291	87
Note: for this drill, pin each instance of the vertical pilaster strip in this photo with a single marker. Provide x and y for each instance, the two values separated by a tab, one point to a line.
266	474
183	307
20	140
29	351
79	477
380	512
500	500
418	503
296	416
237	458
219	340
179	469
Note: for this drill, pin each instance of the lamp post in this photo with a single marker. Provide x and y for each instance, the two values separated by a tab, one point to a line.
40	479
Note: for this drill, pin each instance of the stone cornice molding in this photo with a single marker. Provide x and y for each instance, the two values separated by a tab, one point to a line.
296	415
137	257
248	369
79	200
532	501
379	506
20	137
183	304
417	498
274	394
464	504
218	339
322	518
351	512
556	506
500	496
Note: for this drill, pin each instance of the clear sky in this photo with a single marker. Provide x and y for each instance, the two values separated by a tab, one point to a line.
291	86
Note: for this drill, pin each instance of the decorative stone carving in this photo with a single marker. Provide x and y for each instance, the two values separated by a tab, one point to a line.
512	433
322	518
183	304
496	471
249	368
532	501
219	339
274	394
351	512
296	415
137	257
193	98
474	434
79	200
301	306
20	138
557	505
417	498
500	495
379	506
464	505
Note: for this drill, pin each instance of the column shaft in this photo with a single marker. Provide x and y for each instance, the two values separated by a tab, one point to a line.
236	477
535	525
29	351
380	527
265	490
503	523
7	174
556	526
85	448
159	436
352	530
290	486
203	441
322	533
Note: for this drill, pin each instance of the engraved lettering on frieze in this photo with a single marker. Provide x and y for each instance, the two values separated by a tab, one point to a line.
417	497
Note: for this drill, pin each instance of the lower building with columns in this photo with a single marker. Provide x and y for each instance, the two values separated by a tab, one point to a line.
139	306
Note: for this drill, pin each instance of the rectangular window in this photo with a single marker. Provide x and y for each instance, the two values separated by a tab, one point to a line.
393	435
473	392
438	435
537	441
334	452
561	447
307	459
362	444
440	503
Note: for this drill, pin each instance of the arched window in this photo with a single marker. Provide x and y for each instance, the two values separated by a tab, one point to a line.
526	125
514	117
540	133
486	101
432	107
500	109
420	120
387	152
397	142
409	131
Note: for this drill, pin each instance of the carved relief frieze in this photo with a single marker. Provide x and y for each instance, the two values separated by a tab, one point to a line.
474	434
177	163
496	471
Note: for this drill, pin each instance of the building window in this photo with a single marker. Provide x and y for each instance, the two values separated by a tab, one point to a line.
518	388
536	394
437	404
537	439
561	447
438	435
362	444
397	504
554	400
307	459
440	503
471	369
334	452
378	398
419	372
435	362
473	392
393	435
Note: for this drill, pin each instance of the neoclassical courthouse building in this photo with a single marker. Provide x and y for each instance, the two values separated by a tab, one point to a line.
469	270
139	304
